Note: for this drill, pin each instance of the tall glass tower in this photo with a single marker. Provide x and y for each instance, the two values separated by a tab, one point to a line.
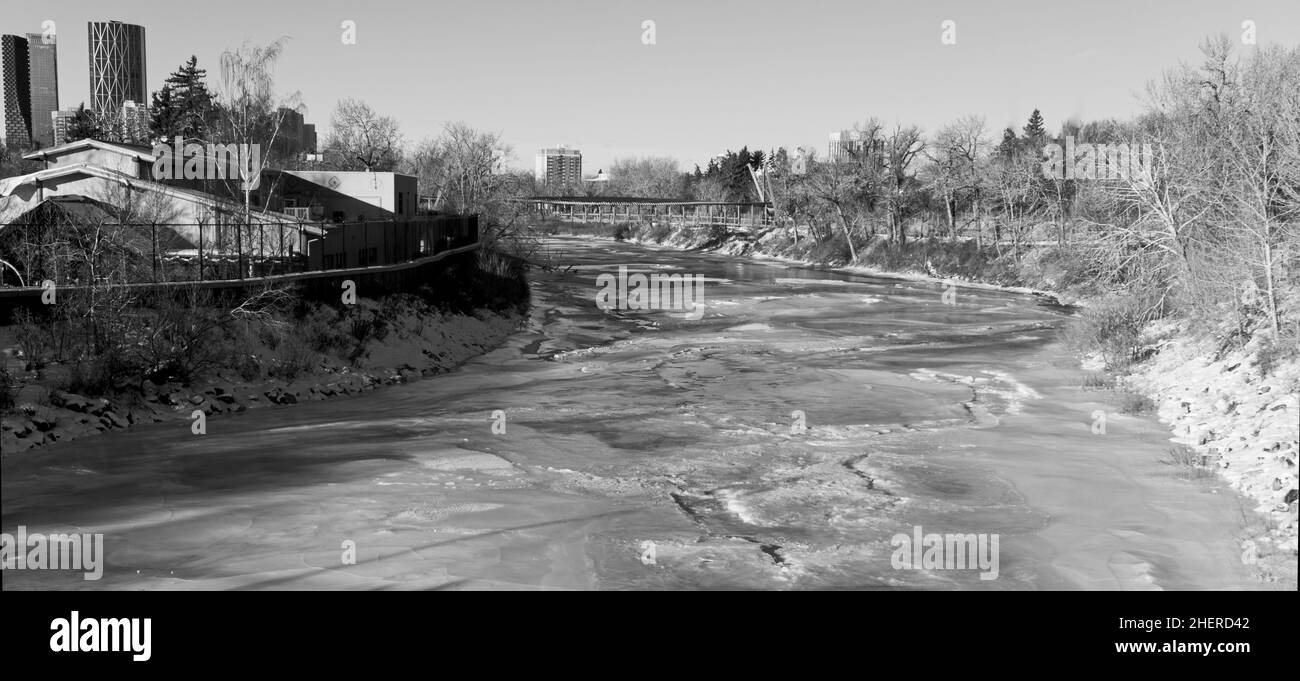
116	65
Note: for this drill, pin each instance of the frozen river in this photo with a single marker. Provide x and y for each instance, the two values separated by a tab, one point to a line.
644	450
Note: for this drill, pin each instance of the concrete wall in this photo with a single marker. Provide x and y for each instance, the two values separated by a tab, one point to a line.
395	195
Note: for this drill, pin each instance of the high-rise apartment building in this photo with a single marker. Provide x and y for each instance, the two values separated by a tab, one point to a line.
135	123
117	65
59	122
43	58
559	166
848	143
15	92
842	144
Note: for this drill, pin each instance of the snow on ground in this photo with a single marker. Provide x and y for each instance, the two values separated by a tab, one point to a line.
1243	423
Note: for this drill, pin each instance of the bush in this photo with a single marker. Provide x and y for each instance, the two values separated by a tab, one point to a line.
1134	403
293	358
1113	327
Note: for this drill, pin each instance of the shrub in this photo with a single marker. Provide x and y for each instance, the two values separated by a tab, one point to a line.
1113	327
1134	403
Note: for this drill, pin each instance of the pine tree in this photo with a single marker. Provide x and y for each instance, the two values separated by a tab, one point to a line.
1009	143
1034	130
84	125
183	106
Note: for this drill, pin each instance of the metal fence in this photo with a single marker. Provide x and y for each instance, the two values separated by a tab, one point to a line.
73	254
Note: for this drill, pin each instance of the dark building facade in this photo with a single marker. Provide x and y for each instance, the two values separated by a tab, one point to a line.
43	57
15	92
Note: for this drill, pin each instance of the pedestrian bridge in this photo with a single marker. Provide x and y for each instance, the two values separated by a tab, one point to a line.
610	210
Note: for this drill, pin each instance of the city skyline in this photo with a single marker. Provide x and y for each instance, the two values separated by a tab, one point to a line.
764	75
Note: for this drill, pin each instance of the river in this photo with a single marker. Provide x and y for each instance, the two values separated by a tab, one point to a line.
645	450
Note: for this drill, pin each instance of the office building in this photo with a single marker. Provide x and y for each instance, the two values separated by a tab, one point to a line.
309	138
117	65
43	59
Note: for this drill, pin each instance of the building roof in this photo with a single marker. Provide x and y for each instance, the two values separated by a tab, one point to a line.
10	184
139	152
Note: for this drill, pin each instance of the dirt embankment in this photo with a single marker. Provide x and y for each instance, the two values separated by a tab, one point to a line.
414	343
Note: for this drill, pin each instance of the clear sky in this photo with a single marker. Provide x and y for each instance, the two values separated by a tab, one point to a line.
721	74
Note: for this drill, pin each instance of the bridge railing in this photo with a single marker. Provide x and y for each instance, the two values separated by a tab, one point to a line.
683	213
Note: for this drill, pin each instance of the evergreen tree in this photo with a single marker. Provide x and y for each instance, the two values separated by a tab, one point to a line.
1010	143
84	125
1034	130
183	106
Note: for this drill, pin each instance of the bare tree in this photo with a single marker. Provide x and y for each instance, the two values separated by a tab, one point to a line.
362	139
956	166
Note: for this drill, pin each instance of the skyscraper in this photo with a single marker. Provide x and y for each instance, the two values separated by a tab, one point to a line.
15	92
117	71
44	78
559	166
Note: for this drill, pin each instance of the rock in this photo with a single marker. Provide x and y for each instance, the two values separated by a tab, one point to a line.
171	398
1290	496
18	427
100	407
43	419
108	422
197	399
280	396
70	401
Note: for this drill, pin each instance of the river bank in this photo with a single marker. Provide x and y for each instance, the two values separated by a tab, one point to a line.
275	349
418	346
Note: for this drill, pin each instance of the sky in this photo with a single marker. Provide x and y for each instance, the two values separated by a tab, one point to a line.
719	75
